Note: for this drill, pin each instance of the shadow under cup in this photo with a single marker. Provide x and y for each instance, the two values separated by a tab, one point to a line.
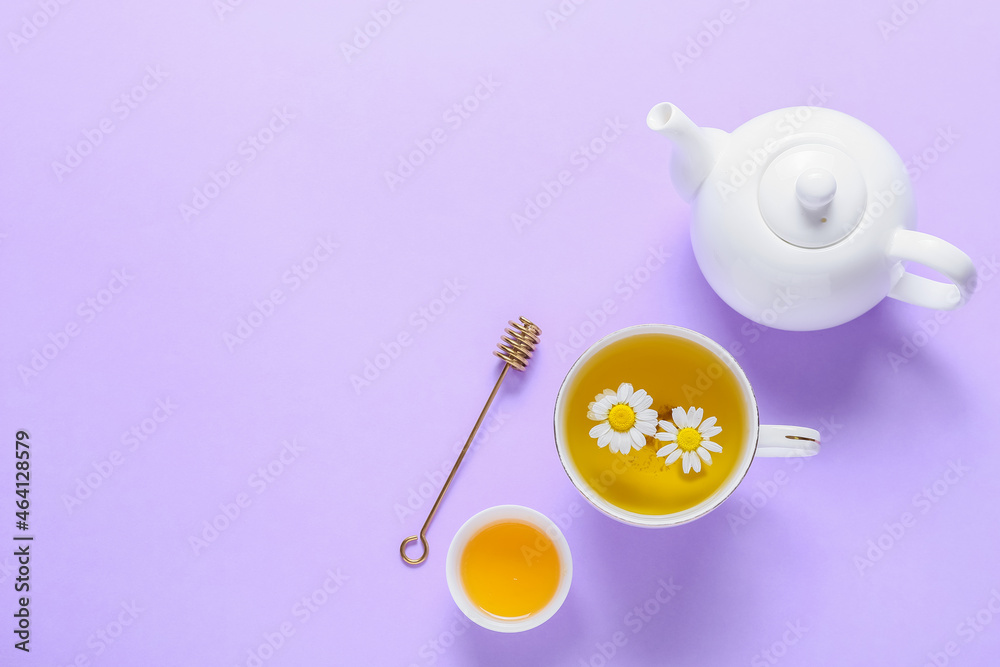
667	369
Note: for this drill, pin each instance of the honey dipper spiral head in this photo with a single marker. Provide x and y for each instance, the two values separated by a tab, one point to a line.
518	342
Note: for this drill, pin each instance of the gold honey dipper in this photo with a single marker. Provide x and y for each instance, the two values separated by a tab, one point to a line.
515	348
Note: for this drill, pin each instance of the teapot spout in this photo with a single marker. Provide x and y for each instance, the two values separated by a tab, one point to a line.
696	149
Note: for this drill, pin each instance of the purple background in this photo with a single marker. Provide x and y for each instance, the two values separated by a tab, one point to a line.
889	433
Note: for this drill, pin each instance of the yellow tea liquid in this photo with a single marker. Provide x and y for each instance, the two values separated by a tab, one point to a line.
510	569
677	373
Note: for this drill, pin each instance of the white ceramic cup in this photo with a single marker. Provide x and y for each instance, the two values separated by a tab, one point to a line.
500	514
760	440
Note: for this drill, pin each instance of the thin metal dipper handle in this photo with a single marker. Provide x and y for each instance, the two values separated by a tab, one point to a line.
515	348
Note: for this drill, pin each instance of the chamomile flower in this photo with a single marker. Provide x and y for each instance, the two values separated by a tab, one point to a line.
625	416
689	439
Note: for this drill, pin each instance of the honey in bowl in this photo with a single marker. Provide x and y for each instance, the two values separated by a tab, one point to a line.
510	569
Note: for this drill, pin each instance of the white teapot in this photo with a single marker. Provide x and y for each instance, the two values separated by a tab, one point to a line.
802	218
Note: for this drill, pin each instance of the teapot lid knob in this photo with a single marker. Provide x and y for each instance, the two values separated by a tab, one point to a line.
812	195
815	188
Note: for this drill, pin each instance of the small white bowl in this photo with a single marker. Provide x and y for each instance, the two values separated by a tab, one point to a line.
493	515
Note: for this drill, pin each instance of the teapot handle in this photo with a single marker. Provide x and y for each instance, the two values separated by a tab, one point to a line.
940	256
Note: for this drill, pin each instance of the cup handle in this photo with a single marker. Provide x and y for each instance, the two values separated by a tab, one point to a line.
936	254
787	441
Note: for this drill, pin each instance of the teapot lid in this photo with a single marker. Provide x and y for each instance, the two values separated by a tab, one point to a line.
812	195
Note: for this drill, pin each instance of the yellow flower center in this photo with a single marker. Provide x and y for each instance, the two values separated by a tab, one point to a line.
621	417
688	439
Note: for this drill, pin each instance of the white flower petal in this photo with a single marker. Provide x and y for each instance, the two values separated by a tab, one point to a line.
638	439
613	442
646	416
705	456
669	427
624	392
611	393
672	456
605	439
604	404
636	398
666	437
686	462
621	442
646	402
694	416
708	422
711	446
663	451
646	428
597	408
695	462
680	417
600	430
710	432
599	397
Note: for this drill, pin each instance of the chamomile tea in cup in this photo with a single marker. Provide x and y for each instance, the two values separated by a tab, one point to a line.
656	425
